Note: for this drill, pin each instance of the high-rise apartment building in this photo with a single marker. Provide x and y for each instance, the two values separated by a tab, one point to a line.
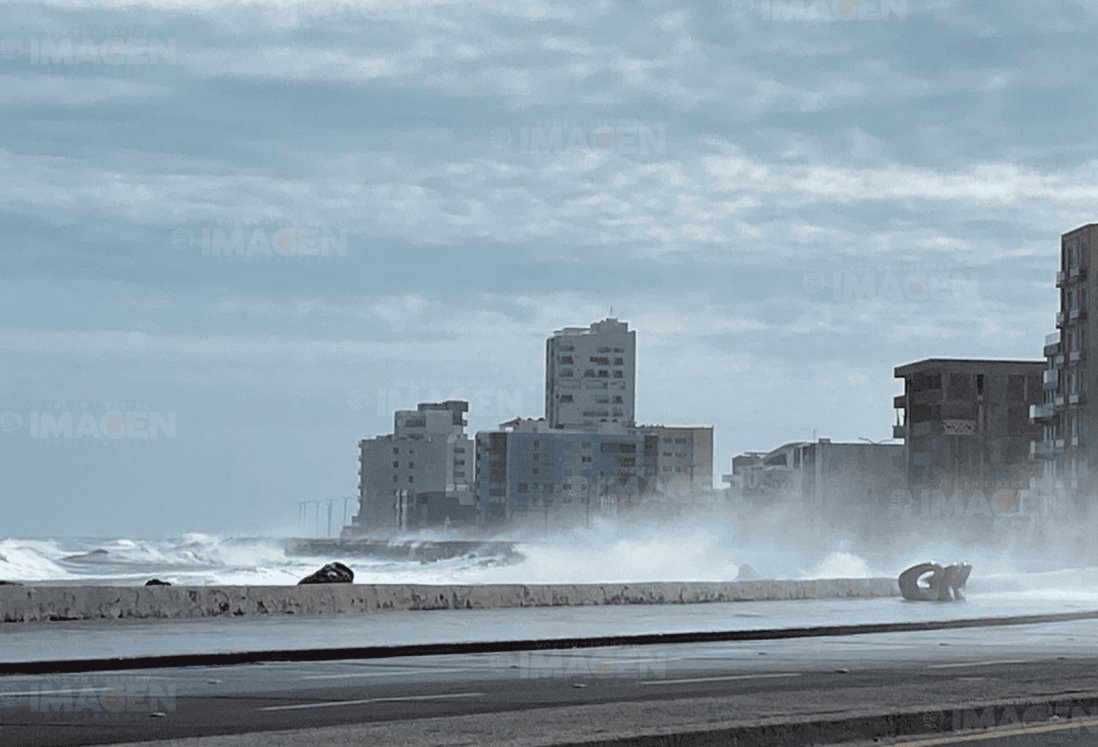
1064	414
590	376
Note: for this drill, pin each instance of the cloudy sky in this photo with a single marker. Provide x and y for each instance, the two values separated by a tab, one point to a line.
257	228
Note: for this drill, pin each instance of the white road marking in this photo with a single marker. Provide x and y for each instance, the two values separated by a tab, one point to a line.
394	673
367	701
723	679
978	664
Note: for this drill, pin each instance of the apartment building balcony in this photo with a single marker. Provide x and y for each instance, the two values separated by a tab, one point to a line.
899	402
1076	356
1076	272
899	431
1059	319
1076	441
1077	398
1059	401
1079	312
1042	413
1061	278
1052	344
1042	449
1051	378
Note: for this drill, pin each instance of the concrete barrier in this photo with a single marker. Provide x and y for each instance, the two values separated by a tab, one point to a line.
51	603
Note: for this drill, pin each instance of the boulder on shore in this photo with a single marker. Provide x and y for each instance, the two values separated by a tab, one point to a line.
332	573
157	582
10	583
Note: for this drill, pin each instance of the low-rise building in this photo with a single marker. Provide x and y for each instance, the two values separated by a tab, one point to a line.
843	484
684	461
966	424
529	472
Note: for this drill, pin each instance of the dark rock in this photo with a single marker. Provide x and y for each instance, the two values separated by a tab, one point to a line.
157	582
10	583
333	573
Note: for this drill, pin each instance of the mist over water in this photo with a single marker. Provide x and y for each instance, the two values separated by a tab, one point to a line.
702	544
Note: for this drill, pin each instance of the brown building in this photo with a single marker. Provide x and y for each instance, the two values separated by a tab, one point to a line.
966	424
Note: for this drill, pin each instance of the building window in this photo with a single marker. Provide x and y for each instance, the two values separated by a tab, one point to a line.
396	465
411	478
619	375
411	465
396	450
523	487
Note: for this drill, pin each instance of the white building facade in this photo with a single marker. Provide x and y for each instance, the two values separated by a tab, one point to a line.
421	474
590	376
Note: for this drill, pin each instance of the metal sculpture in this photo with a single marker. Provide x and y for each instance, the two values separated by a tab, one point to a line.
942	584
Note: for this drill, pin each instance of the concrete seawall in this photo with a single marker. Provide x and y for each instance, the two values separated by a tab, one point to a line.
50	603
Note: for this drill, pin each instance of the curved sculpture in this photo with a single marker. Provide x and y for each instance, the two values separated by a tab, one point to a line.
943	584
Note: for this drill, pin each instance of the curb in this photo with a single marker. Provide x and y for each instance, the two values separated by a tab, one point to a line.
1079	711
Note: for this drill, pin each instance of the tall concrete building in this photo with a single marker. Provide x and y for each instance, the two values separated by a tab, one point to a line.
528	472
590	376
966	425
1064	414
421	474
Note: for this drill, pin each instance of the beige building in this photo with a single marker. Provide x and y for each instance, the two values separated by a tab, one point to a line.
684	460
590	376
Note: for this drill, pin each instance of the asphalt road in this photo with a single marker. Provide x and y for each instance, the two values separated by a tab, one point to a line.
542	697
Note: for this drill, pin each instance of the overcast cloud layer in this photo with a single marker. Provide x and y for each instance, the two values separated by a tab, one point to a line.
785	199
